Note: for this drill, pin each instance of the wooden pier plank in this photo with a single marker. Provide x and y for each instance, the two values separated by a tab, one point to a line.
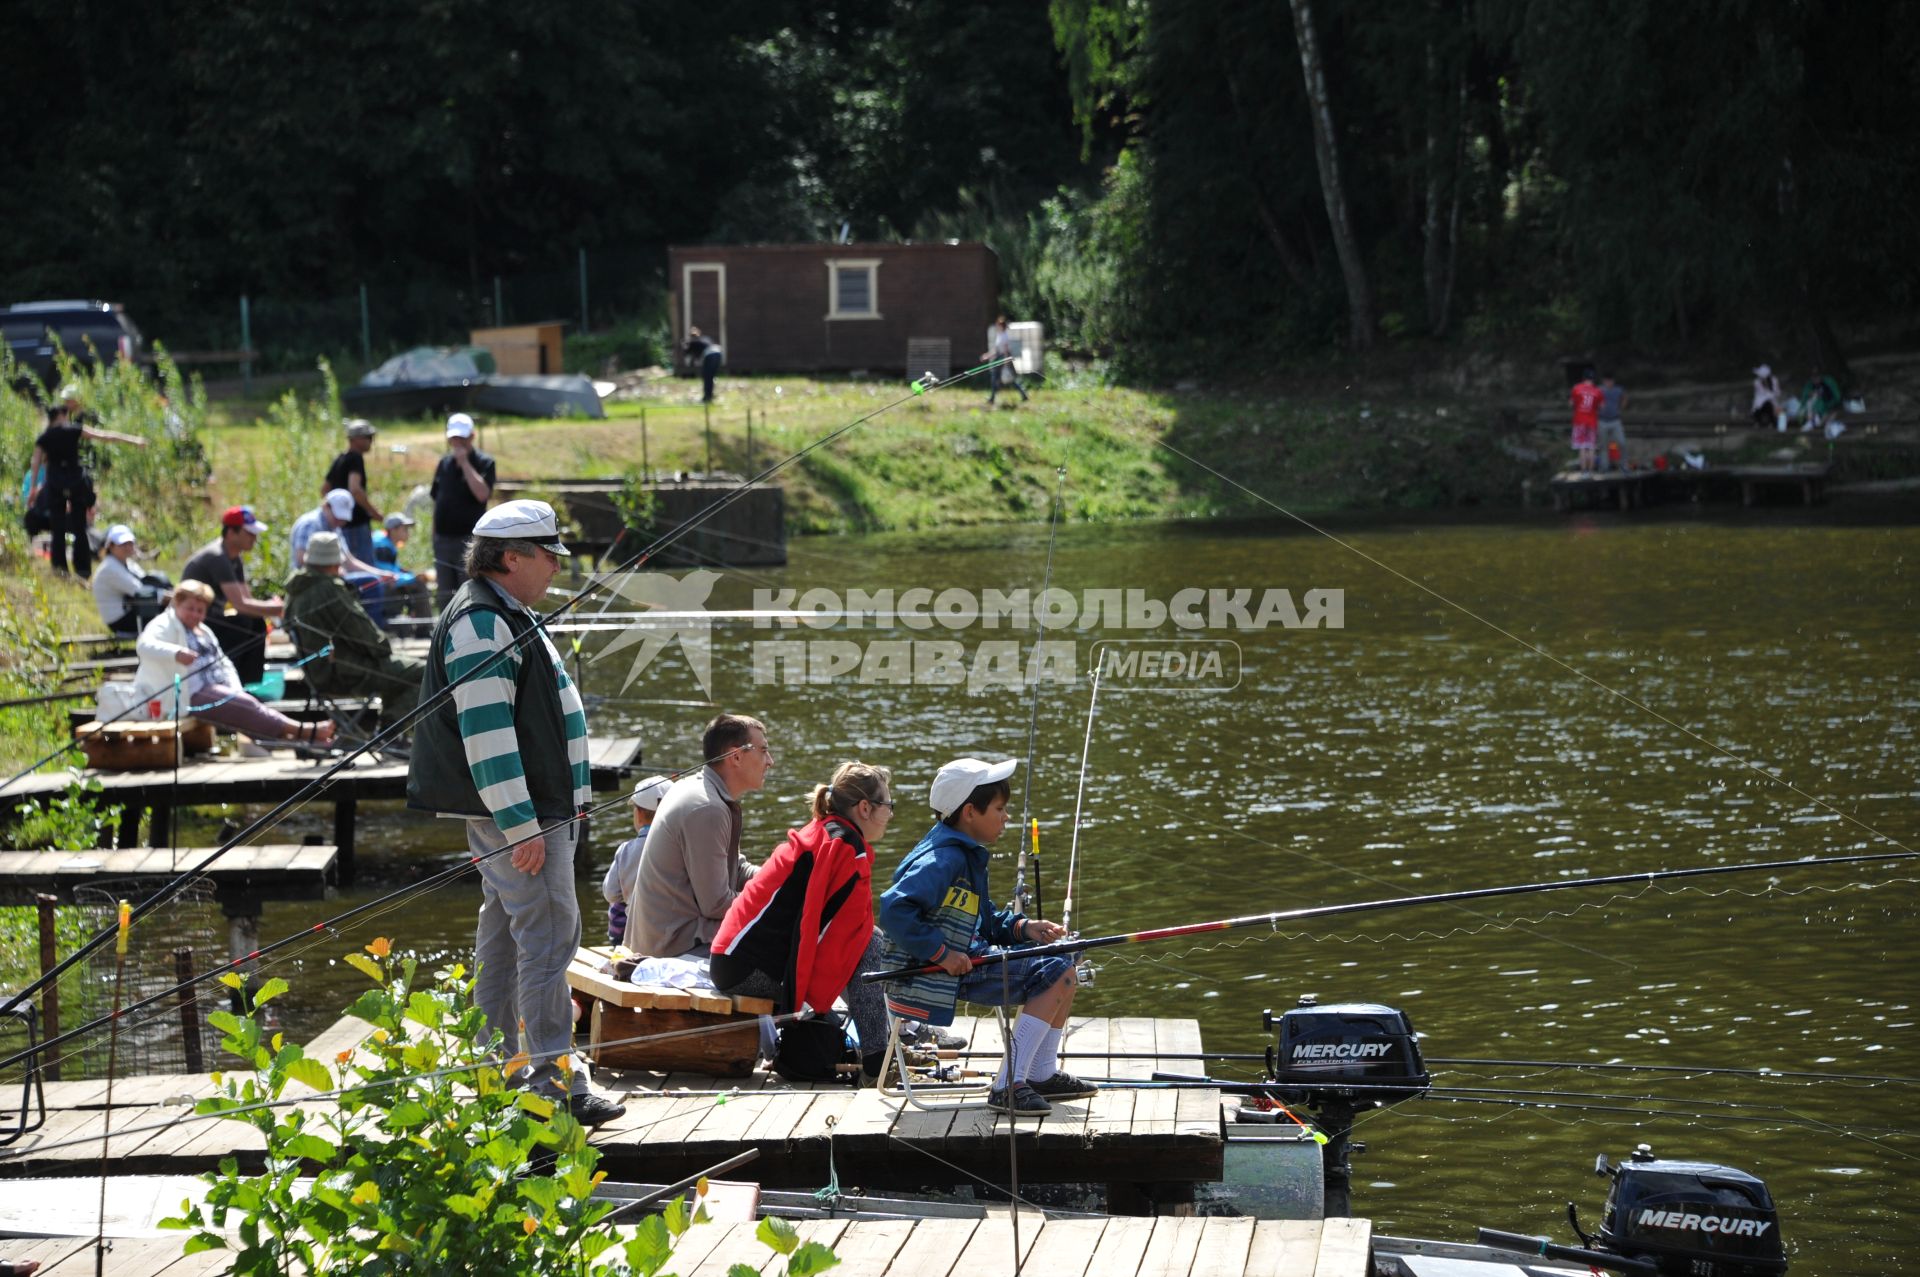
285	870
867	1247
990	1249
1122	1246
1344	1244
934	1249
1285	1248
1224	1247
1132	1035
1171	1249
1065	1247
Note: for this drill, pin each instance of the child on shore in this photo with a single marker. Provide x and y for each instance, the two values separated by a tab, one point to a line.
647	796
937	912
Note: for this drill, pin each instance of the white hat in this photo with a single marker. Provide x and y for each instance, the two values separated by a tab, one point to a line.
459	426
523	520
323	549
958	779
399	520
120	534
650	792
1763	371
359	428
340	501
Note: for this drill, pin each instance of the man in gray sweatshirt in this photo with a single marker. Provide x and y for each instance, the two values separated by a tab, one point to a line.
691	867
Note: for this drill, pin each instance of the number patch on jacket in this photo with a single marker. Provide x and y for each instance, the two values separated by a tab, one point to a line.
960	898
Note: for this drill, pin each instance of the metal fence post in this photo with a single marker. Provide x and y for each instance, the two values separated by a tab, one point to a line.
583	290
499	307
366	334
749	443
708	409
646	466
189	1010
50	997
246	347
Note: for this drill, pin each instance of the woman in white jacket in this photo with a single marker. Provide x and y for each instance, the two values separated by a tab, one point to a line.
177	644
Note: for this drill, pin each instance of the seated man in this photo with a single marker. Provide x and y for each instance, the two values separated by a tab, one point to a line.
331	515
410	590
322	610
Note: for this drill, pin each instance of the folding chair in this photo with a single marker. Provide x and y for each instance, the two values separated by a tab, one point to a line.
958	1097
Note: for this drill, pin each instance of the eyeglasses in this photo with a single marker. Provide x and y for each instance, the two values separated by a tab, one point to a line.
882	802
749	747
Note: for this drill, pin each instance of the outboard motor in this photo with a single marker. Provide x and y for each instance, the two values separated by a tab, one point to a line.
1338	1061
1672	1219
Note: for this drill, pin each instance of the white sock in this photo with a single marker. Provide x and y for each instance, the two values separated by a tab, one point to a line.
1029	1033
1047	1062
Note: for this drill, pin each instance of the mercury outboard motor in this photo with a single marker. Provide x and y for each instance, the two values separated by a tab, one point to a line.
1672	1219
1340	1060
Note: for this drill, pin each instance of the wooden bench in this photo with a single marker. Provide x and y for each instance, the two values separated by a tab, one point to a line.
618	1010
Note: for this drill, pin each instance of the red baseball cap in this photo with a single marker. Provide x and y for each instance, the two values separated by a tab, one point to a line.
241	516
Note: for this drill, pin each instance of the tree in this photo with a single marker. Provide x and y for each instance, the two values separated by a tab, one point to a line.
1326	150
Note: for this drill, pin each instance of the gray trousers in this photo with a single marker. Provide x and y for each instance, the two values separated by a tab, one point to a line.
529	931
450	568
1614	432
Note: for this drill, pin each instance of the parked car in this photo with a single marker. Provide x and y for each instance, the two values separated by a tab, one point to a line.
87	330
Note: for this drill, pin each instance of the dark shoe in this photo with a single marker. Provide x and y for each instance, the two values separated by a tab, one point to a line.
1023	1102
1063	1086
589	1109
938	1038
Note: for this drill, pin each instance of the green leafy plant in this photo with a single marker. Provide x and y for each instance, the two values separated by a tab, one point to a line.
75	821
421	1164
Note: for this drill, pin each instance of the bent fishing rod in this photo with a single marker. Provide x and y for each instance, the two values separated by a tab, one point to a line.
598	581
1080	945
1028	826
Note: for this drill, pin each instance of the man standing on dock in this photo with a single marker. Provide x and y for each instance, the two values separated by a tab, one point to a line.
507	751
462	486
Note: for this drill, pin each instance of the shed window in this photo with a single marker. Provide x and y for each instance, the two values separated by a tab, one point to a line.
853	289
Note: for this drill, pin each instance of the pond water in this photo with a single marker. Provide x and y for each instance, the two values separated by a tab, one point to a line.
1507	700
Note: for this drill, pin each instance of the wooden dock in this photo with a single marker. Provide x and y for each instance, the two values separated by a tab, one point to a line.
272	780
1166	1247
277	871
1144	1145
1633	489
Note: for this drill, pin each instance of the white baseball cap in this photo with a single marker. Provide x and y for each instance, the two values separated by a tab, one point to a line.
523	520
459	426
958	779
651	792
120	534
340	501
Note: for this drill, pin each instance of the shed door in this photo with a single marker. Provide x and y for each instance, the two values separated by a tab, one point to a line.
703	298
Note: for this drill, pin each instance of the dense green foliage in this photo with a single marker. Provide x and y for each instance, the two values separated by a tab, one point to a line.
1514	172
424	1162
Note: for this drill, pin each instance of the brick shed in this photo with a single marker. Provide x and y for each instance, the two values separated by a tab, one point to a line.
836	307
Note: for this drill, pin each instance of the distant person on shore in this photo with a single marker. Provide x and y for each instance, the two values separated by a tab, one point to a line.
705	353
647	797
127	597
221	564
1586	419
1819	400
178	644
463	483
1767	407
349	472
1612	441
64	491
1000	346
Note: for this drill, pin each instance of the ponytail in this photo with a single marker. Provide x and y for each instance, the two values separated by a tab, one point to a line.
852	784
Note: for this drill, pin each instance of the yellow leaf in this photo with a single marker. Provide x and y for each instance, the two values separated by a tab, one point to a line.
380	947
699	1189
380	1035
279	1040
598	1176
343	1057
530	1225
518	1062
535	1105
366	966
368	1192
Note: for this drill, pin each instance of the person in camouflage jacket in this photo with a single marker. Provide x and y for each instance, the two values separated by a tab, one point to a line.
322	610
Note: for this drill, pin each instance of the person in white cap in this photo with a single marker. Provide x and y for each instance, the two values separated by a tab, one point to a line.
349	472
347	654
1767	409
506	750
626	861
120	587
462	485
937	912
691	868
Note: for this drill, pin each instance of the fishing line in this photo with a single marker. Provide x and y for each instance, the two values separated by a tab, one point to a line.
321	783
1033	720
1695	1069
1086	751
1539	651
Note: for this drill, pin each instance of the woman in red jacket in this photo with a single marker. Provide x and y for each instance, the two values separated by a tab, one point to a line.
798	929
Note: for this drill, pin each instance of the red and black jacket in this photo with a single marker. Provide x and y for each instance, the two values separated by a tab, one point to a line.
804	918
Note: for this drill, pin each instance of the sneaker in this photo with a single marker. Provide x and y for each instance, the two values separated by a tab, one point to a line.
1023	1101
1063	1086
938	1038
589	1109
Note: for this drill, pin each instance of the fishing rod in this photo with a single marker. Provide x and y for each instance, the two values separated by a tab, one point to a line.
1030	827
1372	906
1086	751
599	580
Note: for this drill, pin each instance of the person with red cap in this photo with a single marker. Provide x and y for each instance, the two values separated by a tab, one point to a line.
221	564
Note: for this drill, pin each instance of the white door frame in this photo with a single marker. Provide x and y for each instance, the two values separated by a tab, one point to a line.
687	270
